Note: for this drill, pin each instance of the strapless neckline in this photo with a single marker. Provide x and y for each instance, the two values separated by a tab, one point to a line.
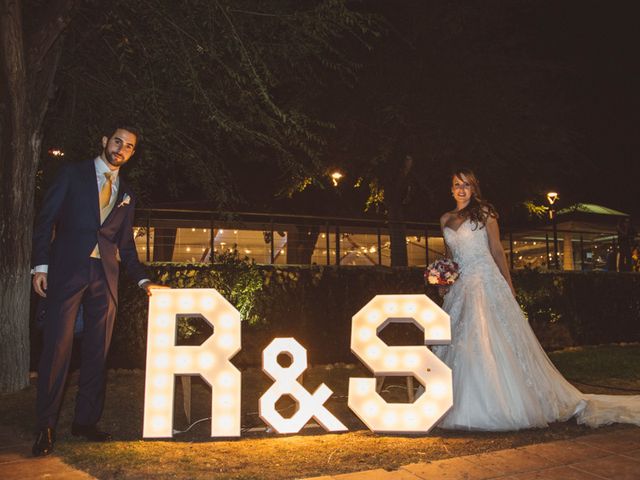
459	226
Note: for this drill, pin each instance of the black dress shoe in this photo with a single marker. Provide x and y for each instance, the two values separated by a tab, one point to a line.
90	432
44	442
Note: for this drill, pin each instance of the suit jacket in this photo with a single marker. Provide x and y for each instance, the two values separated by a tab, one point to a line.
68	229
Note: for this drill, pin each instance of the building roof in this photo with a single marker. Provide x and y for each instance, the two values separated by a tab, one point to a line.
590	208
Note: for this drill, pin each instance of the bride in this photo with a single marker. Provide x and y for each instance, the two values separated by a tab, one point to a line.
502	378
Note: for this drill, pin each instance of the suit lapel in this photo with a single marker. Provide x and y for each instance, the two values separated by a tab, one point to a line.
122	189
92	182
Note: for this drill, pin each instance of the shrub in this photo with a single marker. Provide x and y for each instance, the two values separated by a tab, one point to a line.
315	304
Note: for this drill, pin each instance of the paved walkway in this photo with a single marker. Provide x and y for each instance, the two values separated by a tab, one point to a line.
614	456
17	463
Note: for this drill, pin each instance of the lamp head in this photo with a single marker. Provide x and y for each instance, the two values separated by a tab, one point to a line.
335	177
552	197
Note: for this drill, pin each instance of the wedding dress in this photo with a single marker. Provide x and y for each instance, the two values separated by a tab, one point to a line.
502	378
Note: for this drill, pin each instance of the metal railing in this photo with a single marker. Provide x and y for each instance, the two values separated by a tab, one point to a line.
180	235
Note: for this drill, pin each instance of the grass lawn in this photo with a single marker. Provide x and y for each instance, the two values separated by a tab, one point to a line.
261	454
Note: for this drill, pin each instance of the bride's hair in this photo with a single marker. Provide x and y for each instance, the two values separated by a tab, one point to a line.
478	210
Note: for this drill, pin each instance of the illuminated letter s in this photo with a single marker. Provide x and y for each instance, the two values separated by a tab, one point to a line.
418	361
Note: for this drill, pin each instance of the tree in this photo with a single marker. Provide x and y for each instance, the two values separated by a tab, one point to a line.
212	83
457	83
219	88
31	37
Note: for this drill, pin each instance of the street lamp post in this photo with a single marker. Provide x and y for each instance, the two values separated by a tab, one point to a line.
336	176
552	197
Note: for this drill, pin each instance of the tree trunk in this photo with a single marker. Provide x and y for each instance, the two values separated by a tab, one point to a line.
26	85
16	180
397	236
301	243
395	195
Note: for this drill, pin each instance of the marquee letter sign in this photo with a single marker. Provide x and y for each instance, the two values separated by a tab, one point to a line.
418	361
210	360
286	383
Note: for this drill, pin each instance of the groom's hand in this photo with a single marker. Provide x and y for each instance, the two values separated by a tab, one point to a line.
40	283
149	286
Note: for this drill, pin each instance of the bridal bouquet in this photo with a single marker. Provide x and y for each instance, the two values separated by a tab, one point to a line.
442	272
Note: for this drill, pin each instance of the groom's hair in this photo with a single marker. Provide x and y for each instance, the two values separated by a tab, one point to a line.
123	126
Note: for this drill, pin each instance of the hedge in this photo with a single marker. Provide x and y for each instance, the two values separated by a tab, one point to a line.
315	304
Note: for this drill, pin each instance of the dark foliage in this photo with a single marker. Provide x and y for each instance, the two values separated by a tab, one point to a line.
218	88
315	305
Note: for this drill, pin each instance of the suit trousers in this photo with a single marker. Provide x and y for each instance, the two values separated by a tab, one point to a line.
99	310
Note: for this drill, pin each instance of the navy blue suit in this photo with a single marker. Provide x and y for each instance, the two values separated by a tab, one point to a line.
65	234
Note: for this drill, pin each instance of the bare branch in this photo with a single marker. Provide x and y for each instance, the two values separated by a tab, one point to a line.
45	87
261	14
55	20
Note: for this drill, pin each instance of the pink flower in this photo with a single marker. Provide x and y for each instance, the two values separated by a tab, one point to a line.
442	272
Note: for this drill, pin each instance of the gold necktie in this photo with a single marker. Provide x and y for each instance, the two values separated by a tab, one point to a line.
105	199
105	192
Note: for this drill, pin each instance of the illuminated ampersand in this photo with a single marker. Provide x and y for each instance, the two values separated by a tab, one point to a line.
418	361
209	360
286	383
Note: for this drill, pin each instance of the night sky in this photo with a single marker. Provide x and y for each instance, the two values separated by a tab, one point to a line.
593	94
535	95
601	40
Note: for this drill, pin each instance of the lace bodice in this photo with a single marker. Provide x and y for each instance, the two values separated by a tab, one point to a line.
469	246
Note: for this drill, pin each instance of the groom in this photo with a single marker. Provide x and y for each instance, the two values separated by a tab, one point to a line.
82	234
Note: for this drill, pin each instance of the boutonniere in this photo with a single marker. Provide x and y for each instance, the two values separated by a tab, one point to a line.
125	200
